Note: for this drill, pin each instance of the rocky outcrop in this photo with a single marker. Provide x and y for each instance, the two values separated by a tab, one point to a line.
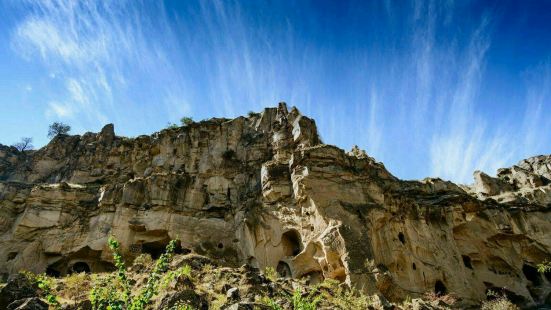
264	191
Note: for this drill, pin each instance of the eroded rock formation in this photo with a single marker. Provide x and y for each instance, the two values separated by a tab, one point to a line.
264	191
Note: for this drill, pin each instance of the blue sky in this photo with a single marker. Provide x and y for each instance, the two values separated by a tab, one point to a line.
430	88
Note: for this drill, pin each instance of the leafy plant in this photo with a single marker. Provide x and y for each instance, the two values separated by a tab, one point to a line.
184	271
544	267
270	273
298	300
343	297
186	121
170	125
45	285
115	292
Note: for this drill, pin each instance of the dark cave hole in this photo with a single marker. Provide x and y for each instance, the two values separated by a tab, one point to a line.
467	261
52	272
440	288
11	256
220	245
80	267
547	275
284	270
401	237
291	242
531	273
157	248
414	266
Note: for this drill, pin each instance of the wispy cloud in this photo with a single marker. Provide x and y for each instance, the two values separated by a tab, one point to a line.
406	85
96	47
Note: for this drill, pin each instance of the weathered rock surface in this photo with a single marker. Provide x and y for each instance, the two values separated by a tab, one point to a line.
263	190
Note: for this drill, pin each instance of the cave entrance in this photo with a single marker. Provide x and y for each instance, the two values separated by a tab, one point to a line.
439	288
284	270
11	256
155	248
467	261
532	274
53	272
291	243
80	267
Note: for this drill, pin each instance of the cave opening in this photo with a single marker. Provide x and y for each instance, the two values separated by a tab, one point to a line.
439	288
155	248
401	237
11	256
53	272
414	266
284	270
467	261
80	267
532	274
291	242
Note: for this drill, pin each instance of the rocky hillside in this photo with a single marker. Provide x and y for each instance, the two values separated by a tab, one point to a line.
264	191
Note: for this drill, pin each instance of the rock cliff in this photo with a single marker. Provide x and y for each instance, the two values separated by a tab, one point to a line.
263	190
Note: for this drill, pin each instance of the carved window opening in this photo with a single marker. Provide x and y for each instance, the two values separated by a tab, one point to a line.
80	267
439	288
155	248
401	237
291	242
11	256
53	272
467	261
284	270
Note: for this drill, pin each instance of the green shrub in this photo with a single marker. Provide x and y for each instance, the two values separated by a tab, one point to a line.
298	300
270	273
115	292
170	125
186	121
44	283
544	267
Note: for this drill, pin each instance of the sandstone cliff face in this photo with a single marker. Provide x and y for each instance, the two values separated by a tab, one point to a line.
264	191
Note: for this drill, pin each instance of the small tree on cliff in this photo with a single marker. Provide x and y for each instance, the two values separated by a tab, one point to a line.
58	128
186	121
24	145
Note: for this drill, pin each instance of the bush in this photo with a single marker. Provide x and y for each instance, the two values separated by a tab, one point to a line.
170	125
270	273
76	286
58	128
298	300
186	121
499	302
44	283
24	145
116	292
544	267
